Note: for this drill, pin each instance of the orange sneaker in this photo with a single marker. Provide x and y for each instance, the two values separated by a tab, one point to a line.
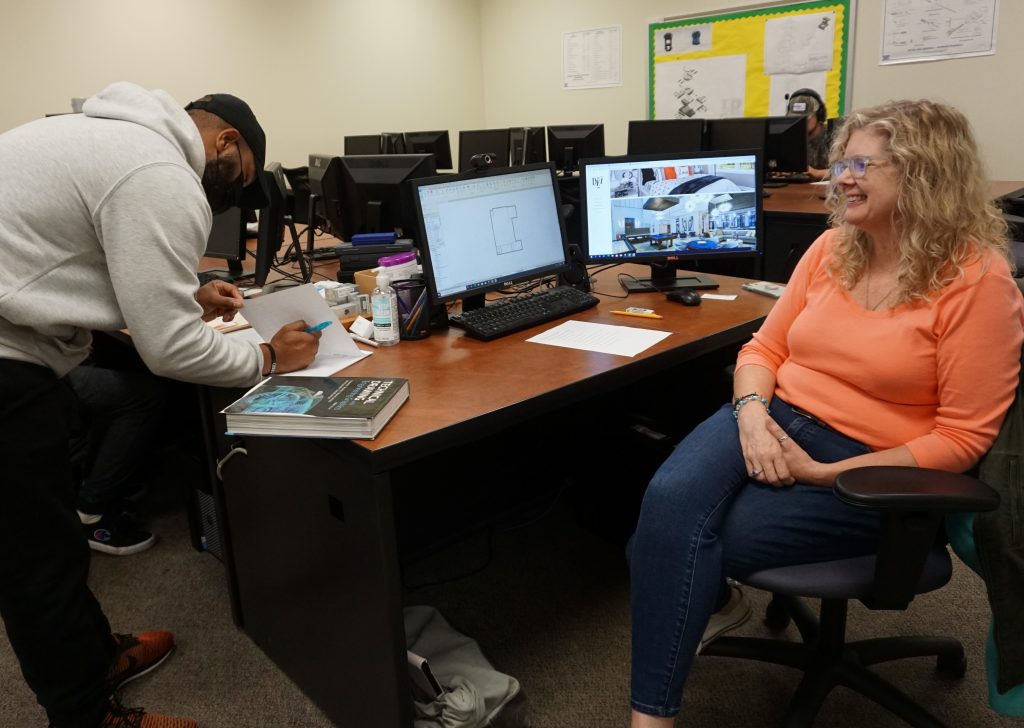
137	655
119	716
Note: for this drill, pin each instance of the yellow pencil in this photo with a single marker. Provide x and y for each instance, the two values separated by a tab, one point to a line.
639	315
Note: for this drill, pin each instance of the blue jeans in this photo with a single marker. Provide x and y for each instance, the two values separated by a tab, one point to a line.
703	519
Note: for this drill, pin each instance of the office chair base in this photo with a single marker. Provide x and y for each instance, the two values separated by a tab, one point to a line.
827	661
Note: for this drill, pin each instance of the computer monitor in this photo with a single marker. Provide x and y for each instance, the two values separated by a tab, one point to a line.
783	139
363	144
660	136
568	144
486	230
670	210
526	145
786	148
368	193
271	227
227	241
430	142
483	141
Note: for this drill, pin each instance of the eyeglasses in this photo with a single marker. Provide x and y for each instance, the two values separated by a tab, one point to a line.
858	166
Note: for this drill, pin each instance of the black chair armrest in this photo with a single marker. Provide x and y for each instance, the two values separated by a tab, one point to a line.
912	503
892	487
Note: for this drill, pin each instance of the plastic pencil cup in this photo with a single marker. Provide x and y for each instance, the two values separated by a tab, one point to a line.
413	308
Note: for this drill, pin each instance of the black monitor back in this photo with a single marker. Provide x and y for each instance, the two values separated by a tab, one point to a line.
657	136
569	143
483	141
270	231
298	206
786	145
227	235
430	142
527	145
363	144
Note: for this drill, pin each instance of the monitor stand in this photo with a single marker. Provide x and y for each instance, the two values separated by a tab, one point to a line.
232	273
664	278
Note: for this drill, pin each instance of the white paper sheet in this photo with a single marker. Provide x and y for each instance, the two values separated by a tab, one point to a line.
799	43
713	88
592	58
920	30
268	314
604	338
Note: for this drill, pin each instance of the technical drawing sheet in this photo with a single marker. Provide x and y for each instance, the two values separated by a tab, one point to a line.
929	30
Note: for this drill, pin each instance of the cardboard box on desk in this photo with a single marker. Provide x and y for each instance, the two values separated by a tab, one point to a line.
366	280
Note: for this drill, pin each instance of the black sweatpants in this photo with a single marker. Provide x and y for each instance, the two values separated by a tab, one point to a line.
55	625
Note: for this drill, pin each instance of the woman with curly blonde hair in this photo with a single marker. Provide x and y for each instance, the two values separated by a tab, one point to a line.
896	342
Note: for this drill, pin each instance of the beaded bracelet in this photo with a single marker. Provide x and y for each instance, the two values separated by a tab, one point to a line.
745	399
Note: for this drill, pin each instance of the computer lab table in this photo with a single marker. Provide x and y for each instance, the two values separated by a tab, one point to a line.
308	525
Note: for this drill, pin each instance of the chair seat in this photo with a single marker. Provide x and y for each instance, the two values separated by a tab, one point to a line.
844	578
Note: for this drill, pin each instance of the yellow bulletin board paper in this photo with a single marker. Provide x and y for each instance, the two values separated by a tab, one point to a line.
744	63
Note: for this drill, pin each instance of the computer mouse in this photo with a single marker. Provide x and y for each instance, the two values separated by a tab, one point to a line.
685	296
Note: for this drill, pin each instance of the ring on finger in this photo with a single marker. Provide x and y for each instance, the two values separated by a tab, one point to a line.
783	438
754	473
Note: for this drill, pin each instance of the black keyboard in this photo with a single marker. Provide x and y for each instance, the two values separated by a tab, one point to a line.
515	314
799	179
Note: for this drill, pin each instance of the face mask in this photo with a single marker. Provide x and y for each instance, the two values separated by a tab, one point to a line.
221	190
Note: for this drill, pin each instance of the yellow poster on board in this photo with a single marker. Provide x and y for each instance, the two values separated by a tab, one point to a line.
747	63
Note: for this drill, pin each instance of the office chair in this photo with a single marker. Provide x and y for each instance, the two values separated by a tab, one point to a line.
912	559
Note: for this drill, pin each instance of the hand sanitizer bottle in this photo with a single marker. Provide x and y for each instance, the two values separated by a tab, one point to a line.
384	303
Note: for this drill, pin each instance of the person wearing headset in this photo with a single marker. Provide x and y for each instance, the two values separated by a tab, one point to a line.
807	103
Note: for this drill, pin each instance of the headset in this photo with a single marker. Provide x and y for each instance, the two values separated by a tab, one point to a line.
821	113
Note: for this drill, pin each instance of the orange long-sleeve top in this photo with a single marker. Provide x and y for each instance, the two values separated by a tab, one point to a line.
937	377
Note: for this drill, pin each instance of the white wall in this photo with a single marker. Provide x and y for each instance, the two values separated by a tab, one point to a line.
313	70
521	46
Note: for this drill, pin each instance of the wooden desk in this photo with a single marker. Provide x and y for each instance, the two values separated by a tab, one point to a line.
309	527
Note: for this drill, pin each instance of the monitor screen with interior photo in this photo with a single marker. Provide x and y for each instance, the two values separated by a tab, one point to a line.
485	231
368	193
666	210
661	136
430	142
493	142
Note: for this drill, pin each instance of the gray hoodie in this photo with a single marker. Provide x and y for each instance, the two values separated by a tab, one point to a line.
103	220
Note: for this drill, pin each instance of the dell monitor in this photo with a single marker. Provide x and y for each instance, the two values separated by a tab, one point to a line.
670	209
363	144
661	136
227	241
526	145
490	142
430	142
568	144
271	227
368	193
485	230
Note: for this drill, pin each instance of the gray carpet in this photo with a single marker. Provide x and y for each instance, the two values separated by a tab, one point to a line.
551	608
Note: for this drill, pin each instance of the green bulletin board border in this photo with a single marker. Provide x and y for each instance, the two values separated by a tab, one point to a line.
779	9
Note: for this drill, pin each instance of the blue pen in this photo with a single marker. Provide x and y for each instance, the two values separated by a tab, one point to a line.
318	327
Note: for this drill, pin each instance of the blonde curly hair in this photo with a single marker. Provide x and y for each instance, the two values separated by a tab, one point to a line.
943	216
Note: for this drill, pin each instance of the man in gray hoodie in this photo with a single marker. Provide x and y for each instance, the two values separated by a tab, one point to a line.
104	216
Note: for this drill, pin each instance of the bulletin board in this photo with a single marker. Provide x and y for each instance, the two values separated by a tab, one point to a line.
745	62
